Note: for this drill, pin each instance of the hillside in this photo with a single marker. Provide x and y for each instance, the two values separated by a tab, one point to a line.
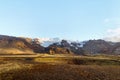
21	45
17	45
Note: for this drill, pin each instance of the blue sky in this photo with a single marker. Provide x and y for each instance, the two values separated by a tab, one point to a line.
69	19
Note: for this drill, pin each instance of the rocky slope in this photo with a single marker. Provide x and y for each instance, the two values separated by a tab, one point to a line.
17	45
85	47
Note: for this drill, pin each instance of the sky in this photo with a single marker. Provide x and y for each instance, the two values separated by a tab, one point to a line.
68	19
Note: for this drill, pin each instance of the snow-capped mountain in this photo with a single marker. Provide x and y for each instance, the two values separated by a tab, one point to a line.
19	45
45	42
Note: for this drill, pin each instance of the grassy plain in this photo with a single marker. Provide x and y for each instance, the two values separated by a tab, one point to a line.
59	67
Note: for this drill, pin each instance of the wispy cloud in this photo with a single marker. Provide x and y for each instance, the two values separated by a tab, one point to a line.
114	32
112	21
113	35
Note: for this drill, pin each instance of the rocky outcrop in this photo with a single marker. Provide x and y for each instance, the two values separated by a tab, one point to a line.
59	50
97	47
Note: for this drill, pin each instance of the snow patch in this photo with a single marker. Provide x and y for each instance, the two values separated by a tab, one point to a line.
45	42
82	43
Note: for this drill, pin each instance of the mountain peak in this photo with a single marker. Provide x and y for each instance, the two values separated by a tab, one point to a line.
48	41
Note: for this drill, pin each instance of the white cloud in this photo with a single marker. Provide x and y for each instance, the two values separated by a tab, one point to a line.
114	32
113	39
113	35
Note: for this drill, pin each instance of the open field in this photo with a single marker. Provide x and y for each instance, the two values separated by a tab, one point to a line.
59	67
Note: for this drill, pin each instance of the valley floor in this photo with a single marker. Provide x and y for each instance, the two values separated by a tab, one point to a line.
59	67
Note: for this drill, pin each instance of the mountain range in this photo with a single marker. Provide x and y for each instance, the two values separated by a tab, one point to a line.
23	45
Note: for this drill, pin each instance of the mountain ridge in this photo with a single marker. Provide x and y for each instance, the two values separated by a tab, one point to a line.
22	45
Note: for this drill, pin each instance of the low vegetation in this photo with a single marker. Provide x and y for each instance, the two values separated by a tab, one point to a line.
56	67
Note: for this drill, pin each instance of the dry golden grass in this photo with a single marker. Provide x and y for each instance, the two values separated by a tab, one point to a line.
14	51
59	68
63	72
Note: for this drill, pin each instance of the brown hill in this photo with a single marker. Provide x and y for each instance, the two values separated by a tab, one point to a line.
17	45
